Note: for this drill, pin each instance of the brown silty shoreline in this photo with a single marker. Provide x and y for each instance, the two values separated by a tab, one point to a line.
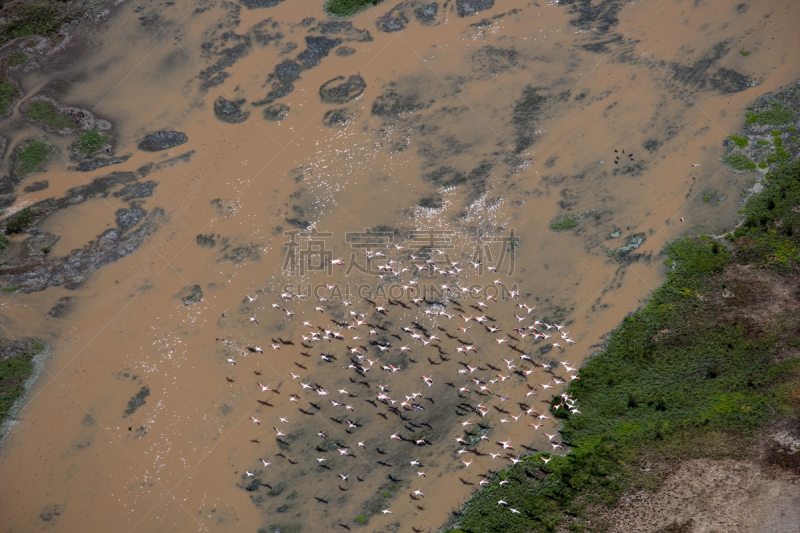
461	128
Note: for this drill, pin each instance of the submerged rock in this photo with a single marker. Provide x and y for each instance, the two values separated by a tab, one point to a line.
471	7
255	4
633	242
230	111
344	92
162	140
427	13
37	186
336	118
99	162
129	218
276	112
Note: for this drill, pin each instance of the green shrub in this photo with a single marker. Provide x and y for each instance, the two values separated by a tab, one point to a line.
16	60
3	242
739	162
361	519
791	128
8	93
745	53
763	165
46	113
20	221
90	141
348	8
565	222
33	20
11	289
776	115
31	156
741	142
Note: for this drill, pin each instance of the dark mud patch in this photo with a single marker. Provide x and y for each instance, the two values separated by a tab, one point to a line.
36	186
526	113
276	112
596	16
230	111
427	13
394	20
129	218
257	4
467	8
394	102
344	51
162	140
62	307
215	74
28	265
337	118
318	46
190	295
207	241
237	254
703	73
94	163
137	401
491	61
136	190
332	92
183	158
343	30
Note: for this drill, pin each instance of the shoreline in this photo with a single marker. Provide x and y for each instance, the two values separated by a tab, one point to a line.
38	362
618	459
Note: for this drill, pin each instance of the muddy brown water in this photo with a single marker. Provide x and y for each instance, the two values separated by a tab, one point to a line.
508	119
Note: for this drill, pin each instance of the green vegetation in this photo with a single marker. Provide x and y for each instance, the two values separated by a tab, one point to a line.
46	113
34	20
8	93
695	373
764	143
705	198
13	374
15	371
763	165
20	221
11	289
745	53
3	242
565	222
791	128
361	519
739	162
30	156
741	142
90	141
18	59
776	115
794	139
348	8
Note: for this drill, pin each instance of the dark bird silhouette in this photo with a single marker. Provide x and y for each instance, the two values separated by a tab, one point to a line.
256	372
229	379
255	441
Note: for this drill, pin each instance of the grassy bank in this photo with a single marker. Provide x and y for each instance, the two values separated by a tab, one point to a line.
17	365
348	8
707	363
